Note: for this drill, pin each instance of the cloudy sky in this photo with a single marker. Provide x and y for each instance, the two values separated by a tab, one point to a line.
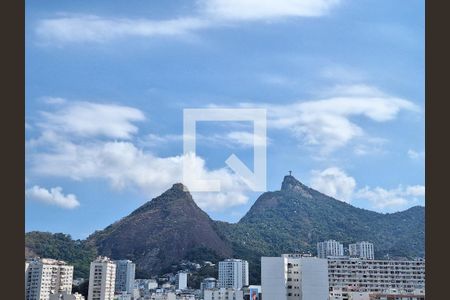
107	82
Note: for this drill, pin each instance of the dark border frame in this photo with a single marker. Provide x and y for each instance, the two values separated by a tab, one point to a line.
437	149
12	125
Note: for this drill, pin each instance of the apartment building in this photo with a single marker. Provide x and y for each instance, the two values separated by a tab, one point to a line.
44	277
294	277
233	273
329	248
376	276
123	296
208	283
145	284
181	280
163	296
361	250
348	294
102	278
125	273
223	294
394	296
66	296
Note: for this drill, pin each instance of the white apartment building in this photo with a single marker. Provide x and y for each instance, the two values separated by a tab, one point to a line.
294	277
145	284
124	296
66	296
346	294
181	280
186	296
47	276
233	273
362	250
367	275
329	248
394	295
102	278
223	294
249	291
125	273
163	296
208	283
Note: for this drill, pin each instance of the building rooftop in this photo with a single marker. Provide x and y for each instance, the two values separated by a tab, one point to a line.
47	261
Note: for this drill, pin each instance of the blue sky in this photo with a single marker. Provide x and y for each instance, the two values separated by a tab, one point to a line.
107	82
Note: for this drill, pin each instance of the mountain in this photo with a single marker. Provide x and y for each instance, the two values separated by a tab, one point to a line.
162	232
296	217
172	228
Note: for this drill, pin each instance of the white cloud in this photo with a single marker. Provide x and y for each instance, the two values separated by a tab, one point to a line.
340	73
232	139
382	198
334	182
327	123
246	139
60	153
54	196
53	100
415	191
354	90
265	9
371	146
219	201
91	28
154	140
92	119
124	165
68	149
416	154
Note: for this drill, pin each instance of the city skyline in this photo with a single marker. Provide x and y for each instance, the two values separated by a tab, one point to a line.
104	105
289	276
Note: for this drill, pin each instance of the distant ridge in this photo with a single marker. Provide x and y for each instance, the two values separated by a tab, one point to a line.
171	228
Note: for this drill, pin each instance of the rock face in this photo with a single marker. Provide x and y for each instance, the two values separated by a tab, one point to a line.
292	185
162	232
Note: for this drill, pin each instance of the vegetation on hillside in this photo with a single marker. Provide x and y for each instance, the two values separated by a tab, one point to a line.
171	228
61	246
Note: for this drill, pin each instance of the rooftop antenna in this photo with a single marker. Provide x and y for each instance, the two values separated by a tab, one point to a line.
290	173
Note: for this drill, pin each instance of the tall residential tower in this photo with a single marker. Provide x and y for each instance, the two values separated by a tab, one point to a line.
294	277
125	273
361	250
329	248
102	279
233	273
47	276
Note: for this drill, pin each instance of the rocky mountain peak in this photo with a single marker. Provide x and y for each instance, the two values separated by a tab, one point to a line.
162	232
179	187
178	193
291	184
